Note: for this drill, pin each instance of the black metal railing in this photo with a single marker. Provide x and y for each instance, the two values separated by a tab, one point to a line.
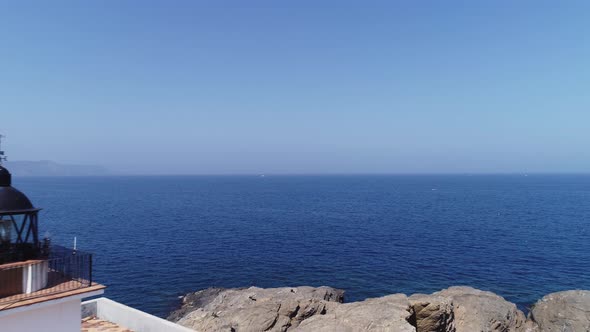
63	270
11	252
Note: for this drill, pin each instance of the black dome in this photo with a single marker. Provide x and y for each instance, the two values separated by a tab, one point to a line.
5	177
12	201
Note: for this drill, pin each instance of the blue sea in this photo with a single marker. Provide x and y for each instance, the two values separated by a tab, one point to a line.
156	238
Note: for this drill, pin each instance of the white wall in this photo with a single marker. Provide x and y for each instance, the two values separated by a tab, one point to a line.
35	276
60	317
131	318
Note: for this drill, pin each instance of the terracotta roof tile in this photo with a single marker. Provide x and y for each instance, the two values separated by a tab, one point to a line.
93	324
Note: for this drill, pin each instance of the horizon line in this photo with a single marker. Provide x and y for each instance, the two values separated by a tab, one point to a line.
117	174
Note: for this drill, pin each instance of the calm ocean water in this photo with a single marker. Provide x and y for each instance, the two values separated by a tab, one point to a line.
155	238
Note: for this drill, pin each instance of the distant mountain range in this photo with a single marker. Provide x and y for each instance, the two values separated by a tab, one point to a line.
51	168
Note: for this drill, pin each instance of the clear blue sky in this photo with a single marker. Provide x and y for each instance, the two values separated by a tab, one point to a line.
298	86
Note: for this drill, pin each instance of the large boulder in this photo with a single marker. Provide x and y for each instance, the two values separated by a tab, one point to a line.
253	309
465	309
303	309
567	311
389	313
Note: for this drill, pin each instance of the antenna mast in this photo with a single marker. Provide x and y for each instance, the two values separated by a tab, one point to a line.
2	156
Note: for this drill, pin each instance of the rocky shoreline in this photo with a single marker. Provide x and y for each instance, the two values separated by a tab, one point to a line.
301	309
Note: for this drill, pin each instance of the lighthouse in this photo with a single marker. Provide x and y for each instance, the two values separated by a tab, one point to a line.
41	284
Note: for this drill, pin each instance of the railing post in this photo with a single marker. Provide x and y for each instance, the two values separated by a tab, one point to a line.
90	270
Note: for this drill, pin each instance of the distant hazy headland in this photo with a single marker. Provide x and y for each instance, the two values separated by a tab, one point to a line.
51	168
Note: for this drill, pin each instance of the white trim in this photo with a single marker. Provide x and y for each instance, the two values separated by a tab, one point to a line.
43	304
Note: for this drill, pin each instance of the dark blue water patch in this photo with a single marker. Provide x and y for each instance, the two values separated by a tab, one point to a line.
155	238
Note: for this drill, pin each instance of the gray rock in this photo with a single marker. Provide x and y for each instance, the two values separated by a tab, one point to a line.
389	313
303	309
193	301
476	310
254	309
465	309
567	311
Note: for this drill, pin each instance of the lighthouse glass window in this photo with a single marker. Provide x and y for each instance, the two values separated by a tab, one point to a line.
15	229
5	231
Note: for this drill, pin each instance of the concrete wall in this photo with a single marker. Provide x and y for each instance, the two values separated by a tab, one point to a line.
60	317
128	317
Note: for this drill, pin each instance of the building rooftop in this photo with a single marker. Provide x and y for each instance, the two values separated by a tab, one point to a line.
93	324
112	316
65	289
